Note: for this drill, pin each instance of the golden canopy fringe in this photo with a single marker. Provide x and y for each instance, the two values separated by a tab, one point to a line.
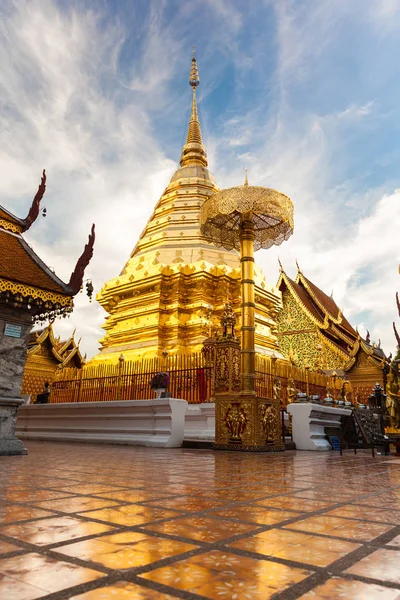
190	379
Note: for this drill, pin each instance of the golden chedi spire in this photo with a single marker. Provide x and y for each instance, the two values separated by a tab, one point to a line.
193	152
159	299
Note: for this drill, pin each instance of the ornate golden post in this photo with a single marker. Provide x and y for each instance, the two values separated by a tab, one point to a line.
121	361
248	305
80	385
247	218
307	368
334	377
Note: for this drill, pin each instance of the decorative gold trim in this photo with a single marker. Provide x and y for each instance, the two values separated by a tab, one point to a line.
10	226
349	364
35	293
298	300
342	335
333	346
70	356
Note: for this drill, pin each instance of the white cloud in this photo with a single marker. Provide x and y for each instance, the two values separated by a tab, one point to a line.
103	163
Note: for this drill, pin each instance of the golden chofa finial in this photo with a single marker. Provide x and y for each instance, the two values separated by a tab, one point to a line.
246	179
280	264
194	78
298	266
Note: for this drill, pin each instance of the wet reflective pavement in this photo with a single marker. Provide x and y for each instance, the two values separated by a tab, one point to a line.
107	522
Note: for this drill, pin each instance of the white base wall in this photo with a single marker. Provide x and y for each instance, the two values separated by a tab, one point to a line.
200	422
157	423
309	422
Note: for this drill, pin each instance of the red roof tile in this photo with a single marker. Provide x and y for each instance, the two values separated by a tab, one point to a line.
329	305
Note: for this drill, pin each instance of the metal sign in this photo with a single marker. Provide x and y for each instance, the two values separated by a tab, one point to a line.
13	330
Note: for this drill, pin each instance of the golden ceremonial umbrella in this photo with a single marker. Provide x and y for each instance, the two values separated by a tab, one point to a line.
247	218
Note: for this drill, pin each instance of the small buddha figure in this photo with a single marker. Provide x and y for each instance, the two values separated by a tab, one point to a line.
269	424
347	392
277	390
291	391
329	395
393	400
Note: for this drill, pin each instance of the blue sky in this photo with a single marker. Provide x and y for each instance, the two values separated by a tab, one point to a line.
304	93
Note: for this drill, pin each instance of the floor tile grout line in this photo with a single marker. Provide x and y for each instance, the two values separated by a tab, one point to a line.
210	513
381	582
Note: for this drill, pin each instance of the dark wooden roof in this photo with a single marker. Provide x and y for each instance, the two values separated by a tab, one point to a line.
329	305
7	216
20	264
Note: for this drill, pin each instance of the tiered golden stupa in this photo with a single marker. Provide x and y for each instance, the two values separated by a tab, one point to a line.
172	291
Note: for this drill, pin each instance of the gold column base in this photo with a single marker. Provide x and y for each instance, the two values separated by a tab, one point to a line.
247	424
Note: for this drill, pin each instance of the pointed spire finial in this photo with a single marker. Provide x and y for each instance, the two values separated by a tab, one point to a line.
193	152
246	178
280	264
194	78
298	266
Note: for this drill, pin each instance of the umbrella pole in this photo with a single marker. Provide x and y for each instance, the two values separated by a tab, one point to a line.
248	305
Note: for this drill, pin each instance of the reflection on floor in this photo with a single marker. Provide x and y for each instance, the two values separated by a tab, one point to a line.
108	522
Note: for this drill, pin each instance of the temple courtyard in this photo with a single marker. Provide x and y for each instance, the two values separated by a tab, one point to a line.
96	522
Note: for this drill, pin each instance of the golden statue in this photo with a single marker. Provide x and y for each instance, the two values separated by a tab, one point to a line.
393	400
357	395
291	391
235	421
329	393
277	390
269	424
347	391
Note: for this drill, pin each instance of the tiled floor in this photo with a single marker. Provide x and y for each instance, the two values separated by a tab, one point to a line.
108	522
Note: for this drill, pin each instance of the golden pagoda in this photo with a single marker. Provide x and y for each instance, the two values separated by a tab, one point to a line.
171	293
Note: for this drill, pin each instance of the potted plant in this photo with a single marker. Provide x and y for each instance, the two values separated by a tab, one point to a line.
159	383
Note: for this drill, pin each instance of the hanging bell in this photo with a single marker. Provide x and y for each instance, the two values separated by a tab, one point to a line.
89	289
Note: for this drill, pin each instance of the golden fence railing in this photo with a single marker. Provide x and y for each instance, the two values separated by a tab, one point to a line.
190	378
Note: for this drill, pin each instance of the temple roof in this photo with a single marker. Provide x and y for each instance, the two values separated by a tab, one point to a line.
374	353
63	351
322	310
325	302
10	218
11	222
25	280
302	296
19	263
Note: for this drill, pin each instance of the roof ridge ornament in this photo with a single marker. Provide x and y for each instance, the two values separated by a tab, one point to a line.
35	206
76	278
